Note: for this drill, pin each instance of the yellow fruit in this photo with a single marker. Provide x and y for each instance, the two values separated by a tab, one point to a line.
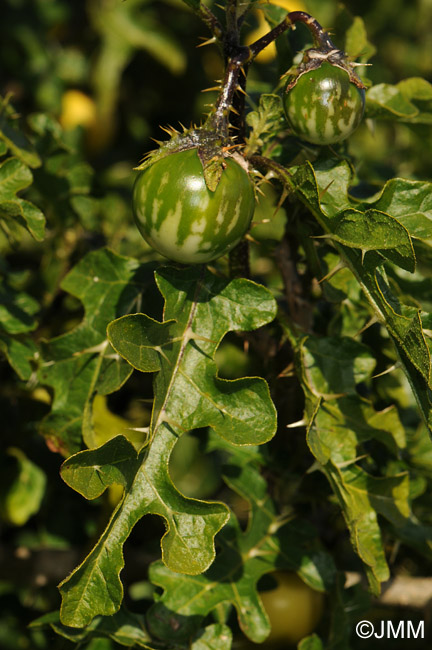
41	395
77	109
106	425
289	5
294	609
269	52
114	494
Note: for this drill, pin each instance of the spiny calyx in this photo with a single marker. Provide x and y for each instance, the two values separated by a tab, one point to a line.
212	149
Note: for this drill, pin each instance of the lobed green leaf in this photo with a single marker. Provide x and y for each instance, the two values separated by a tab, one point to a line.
200	309
339	421
267	544
80	364
13	139
124	627
14	177
94	587
22	488
324	190
213	637
198	312
408	101
264	123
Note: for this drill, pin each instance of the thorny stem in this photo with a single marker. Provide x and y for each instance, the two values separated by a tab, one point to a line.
225	102
298	308
208	17
228	117
238	59
321	38
244	9
232	38
236	12
269	165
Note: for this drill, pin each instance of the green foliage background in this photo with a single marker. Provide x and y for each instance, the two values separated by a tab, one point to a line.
66	219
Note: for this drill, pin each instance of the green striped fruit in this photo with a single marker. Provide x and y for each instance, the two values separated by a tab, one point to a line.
324	106
181	218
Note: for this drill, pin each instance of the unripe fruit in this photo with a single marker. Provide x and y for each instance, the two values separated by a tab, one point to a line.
181	218
324	106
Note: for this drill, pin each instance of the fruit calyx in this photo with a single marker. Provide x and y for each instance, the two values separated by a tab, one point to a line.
212	150
314	58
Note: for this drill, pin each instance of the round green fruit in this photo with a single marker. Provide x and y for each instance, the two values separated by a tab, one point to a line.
181	218
324	106
294	609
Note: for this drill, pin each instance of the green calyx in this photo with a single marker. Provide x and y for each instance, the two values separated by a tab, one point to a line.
314	58
322	103
212	149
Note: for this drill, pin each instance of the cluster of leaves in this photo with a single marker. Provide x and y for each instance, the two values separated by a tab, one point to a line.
344	297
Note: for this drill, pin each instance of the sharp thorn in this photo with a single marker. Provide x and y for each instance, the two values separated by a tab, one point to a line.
370	322
335	269
167	129
395	366
325	189
208	41
295	425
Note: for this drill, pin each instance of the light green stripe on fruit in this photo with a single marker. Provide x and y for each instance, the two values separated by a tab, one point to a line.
182	218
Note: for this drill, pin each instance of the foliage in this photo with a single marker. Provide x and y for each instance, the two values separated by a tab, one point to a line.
176	434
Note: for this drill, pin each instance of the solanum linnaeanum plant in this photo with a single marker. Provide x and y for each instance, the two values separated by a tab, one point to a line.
336	265
193	200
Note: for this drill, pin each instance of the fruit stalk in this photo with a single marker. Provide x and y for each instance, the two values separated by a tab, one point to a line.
321	38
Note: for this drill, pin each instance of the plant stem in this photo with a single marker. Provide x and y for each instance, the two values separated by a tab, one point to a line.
208	17
228	118
321	38
225	102
232	37
238	58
